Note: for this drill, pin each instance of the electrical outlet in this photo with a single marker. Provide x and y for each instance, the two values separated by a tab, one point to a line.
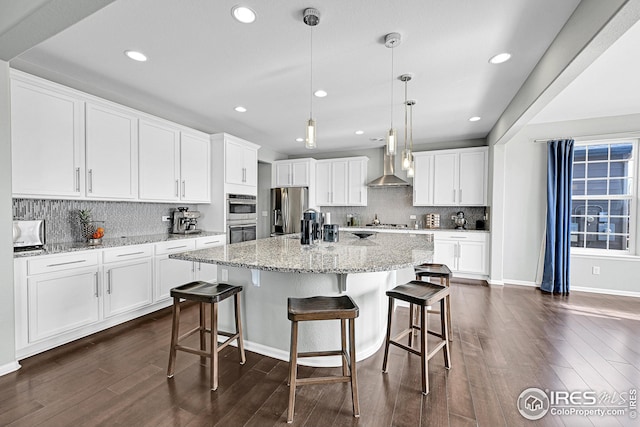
224	274
595	270
166	218
265	214
412	217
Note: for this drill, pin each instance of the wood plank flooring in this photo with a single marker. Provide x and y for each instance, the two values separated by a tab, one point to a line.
506	339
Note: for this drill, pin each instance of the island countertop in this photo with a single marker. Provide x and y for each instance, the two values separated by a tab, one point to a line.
380	252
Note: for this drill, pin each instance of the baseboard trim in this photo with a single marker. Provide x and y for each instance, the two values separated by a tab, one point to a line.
520	283
9	367
495	282
603	291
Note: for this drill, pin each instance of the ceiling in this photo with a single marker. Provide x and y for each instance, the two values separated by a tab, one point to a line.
202	63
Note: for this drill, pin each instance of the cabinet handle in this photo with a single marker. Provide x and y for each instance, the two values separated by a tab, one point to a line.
95	275
454	195
177	247
67	263
184	186
90	180
211	243
460	196
193	267
177	188
109	281
199	266
131	253
328	197
78	180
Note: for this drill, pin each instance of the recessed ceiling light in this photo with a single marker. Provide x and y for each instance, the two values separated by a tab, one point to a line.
299	139
474	119
320	93
243	14
240	109
359	132
135	55
500	58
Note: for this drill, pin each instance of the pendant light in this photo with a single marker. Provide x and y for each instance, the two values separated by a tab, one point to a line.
311	17
407	155
392	40
411	170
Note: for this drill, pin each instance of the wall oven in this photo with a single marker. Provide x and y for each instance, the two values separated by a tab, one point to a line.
242	218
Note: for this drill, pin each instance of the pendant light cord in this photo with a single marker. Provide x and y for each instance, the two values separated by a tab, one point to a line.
405	115
392	87
311	79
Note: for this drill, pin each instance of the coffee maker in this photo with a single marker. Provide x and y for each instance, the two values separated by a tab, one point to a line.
311	227
185	221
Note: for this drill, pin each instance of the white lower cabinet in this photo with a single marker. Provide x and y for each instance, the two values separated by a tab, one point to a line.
128	286
462	252
171	273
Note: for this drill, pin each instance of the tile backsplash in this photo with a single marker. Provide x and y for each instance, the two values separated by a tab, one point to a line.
121	218
393	205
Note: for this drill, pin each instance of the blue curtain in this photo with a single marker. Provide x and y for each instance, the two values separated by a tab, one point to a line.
555	276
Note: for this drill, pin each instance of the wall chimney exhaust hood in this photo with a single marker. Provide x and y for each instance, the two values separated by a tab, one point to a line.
388	179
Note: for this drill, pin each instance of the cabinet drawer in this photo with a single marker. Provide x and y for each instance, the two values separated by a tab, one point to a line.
127	252
63	262
208	242
175	246
460	236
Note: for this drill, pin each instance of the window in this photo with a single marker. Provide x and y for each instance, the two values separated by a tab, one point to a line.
603	200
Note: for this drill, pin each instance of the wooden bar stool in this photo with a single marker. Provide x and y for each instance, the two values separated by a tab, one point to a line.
205	293
444	273
422	294
324	308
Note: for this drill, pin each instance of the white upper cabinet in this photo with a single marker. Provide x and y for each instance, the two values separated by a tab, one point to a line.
112	152
341	182
451	177
293	173
159	166
195	169
423	179
241	162
47	137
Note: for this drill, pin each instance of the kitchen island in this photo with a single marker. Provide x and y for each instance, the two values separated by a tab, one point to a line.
273	269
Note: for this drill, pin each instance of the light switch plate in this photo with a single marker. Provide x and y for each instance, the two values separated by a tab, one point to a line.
224	274
166	218
412	217
265	213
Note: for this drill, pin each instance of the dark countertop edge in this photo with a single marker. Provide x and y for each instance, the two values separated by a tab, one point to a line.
186	256
410	230
114	242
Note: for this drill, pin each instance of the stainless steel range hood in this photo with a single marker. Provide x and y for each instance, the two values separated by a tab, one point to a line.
388	179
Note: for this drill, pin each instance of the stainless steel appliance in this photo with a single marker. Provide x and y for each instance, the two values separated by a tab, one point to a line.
242	218
311	227
28	235
460	221
287	207
331	233
185	221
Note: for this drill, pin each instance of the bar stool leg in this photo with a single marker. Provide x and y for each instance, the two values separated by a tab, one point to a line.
448	284
293	361
444	322
203	333
175	329
424	361
343	336
388	337
354	377
411	323
214	346
243	359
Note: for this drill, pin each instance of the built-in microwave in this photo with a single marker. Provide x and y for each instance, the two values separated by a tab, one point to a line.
241	207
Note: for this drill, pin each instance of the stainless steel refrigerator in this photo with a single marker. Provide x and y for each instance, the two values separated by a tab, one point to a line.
287	207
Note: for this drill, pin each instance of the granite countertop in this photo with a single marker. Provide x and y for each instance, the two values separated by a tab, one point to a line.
113	242
392	229
380	252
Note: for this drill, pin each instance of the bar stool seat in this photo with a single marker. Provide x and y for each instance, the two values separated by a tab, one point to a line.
438	271
323	308
422	294
205	293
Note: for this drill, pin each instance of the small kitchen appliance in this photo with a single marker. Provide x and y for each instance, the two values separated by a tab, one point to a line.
330	233
460	221
28	235
185	221
311	227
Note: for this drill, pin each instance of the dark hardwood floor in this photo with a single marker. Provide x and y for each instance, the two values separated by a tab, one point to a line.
506	339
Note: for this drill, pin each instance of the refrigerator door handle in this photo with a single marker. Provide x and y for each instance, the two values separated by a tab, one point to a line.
285	211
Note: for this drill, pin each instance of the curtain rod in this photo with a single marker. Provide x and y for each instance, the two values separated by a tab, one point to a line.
635	133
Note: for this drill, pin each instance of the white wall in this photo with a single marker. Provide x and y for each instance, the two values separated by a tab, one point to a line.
525	207
7	319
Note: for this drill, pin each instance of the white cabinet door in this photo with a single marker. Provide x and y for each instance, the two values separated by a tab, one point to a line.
159	165
339	178
300	174
445	189
472	257
446	252
356	183
473	178
195	169
47	141
171	273
62	301
323	183
423	179
112	153
127	286
234	162
250	158
206	272
282	175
